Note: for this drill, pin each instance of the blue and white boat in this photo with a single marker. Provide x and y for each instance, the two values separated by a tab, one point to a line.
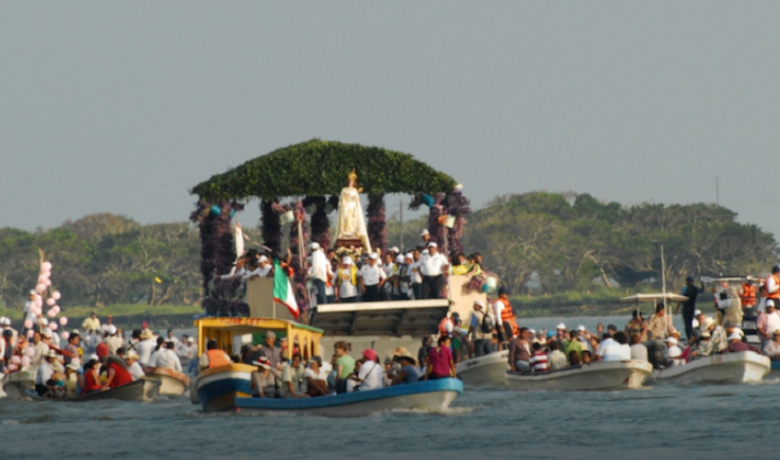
433	395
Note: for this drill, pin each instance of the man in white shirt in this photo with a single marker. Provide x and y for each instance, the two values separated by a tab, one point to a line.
320	272
44	372
370	376
145	347
371	278
166	358
133	366
432	268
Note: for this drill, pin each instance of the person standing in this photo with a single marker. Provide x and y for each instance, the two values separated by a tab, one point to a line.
440	362
371	278
320	272
504	316
416	276
481	328
748	296
92	323
433	268
347	281
689	306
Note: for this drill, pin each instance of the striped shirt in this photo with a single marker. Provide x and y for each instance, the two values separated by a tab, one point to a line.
538	361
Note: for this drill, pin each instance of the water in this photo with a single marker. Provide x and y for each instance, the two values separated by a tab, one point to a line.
738	421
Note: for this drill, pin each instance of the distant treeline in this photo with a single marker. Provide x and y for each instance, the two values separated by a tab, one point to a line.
563	242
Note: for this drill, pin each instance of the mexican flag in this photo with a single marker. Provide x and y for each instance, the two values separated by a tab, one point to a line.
283	291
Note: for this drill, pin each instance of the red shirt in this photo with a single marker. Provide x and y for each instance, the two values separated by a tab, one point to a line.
121	376
440	361
91	382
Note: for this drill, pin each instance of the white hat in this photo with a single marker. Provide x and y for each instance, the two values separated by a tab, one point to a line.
696	312
263	259
111	329
424	232
395	249
581	328
346	260
770	303
425	251
674	353
373	256
32	292
73	367
738	331
51	354
480	303
131	354
314	246
532	331
708	322
46	332
433	245
190	340
408	255
560	326
399	259
671	340
735	336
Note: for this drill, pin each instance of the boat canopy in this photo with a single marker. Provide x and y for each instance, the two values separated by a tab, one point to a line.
637	298
224	329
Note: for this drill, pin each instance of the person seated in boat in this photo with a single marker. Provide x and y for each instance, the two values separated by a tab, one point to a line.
45	372
736	344
91	377
73	382
672	353
166	358
422	352
599	330
53	390
574	358
538	360
146	346
112	339
573	344
718	338
293	383
623	347
409	371
369	375
520	352
116	369
586	357
555	358
701	347
439	362
265	381
772	348
611	330
271	351
638	349
213	357
768	322
72	347
388	371
560	333
462	348
608	350
133	366
660	324
316	378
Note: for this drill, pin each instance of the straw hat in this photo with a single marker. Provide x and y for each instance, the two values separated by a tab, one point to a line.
146	334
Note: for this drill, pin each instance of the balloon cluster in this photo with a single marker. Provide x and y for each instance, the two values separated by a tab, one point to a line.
43	295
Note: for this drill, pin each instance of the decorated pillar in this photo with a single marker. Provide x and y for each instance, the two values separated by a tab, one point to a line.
298	238
271	230
376	226
320	224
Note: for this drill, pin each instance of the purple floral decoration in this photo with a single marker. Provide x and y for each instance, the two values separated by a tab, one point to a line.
377	224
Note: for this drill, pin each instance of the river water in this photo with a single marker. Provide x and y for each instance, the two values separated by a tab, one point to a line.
657	422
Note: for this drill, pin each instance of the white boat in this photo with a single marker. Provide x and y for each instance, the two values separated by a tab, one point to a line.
433	395
17	383
487	369
730	368
595	376
171	383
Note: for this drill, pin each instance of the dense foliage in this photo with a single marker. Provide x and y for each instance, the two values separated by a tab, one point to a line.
319	168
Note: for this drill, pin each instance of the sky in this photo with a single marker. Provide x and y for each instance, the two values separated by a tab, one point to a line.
122	107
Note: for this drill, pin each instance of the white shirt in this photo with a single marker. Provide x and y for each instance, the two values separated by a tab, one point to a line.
604	343
145	349
772	323
613	351
771	284
638	352
498	307
322	375
136	371
371	275
371	374
347	289
44	373
320	268
166	358
433	265
262	272
234	273
416	276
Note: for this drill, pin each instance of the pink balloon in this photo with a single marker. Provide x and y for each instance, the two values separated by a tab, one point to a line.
52	313
53	326
50	301
42	279
25	360
65	335
30	335
28	324
29	351
40	288
15	359
13	368
56	295
57	309
63	321
46	266
47	282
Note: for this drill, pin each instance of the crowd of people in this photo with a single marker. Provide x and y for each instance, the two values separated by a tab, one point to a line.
94	358
417	273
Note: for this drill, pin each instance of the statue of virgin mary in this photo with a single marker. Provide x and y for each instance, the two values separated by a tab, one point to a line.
351	224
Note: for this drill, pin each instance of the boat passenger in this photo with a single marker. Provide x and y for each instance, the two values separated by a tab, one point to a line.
440	364
637	325
160	344
53	390
72	348
660	324
213	357
638	350
345	366
270	351
91	377
422	353
369	377
293	383
133	366
560	333
747	295
772	348
113	341
166	358
623	348
573	344
599	330
118	374
672	353
73	381
718	338
352	379
520	352
389	372
265	381
731	308
538	359
145	347
41	350
736	344
611	330
45	372
574	358
702	347
688	307
409	372
92	323
768	322
480	328
586	357
316	378
556	358
503	312
433	267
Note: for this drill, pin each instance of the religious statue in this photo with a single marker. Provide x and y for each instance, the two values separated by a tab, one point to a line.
351	230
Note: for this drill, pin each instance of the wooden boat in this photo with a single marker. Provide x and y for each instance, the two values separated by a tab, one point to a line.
140	390
730	368
619	375
217	388
16	384
171	383
488	369
434	395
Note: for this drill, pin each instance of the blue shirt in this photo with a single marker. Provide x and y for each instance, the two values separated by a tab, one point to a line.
412	374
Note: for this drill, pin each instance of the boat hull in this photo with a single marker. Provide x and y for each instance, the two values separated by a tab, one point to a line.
16	384
171	383
731	368
218	388
488	369
140	390
597	376
435	395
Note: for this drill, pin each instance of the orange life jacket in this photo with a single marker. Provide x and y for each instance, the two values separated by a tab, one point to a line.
443	326
748	296
217	358
508	315
776	294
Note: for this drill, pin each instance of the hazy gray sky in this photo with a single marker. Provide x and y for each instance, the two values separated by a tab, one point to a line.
123	106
